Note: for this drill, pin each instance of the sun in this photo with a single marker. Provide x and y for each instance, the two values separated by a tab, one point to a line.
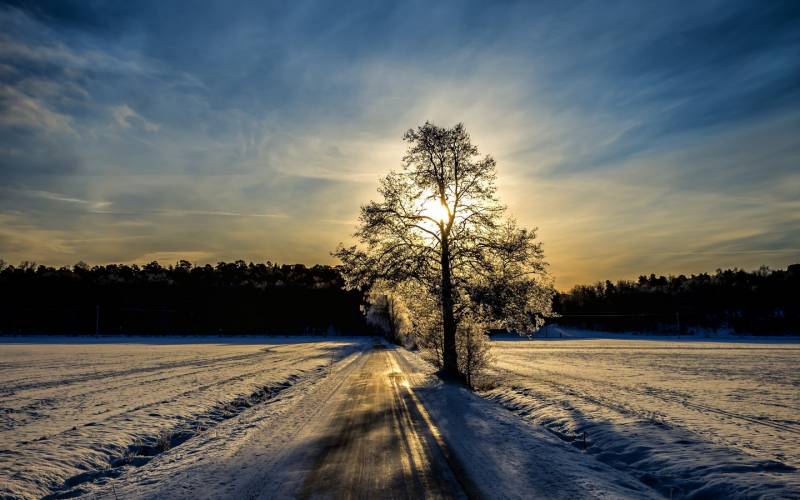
434	209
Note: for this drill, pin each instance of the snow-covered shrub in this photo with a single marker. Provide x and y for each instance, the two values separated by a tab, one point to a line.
425	322
473	347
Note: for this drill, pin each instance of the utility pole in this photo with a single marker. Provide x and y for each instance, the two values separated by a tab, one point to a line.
97	319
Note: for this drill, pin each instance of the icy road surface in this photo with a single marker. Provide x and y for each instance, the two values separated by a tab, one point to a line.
686	417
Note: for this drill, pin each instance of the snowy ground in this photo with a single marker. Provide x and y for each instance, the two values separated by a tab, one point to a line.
247	417
504	458
686	417
494	453
84	420
74	414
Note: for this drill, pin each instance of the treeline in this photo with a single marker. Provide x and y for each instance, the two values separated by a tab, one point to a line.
765	301
229	298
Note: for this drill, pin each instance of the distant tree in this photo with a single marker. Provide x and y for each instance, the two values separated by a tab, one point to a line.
183	266
440	225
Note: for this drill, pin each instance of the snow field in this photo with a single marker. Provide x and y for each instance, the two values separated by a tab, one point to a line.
681	419
686	418
76	413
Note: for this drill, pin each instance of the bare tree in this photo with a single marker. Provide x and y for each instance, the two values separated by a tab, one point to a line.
441	225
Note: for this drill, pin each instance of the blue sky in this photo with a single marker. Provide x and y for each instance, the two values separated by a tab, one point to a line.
638	136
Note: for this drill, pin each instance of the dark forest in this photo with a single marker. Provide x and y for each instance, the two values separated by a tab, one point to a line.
229	298
764	301
267	298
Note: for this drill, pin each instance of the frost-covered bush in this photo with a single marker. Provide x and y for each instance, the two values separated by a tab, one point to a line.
425	322
473	346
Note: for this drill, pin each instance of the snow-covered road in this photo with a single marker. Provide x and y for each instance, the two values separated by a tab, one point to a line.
376	442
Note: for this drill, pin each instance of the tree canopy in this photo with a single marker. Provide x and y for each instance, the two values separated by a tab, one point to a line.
439	229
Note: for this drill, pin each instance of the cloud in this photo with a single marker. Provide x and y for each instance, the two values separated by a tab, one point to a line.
189	213
126	117
94	205
18	109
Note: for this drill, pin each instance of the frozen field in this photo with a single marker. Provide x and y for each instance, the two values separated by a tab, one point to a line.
236	418
686	417
68	410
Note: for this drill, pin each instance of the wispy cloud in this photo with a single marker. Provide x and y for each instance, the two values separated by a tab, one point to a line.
21	110
190	213
126	117
94	205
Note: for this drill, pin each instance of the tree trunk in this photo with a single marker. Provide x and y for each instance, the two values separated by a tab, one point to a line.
394	326
449	353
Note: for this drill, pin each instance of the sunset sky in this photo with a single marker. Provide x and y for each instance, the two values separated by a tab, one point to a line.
638	136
